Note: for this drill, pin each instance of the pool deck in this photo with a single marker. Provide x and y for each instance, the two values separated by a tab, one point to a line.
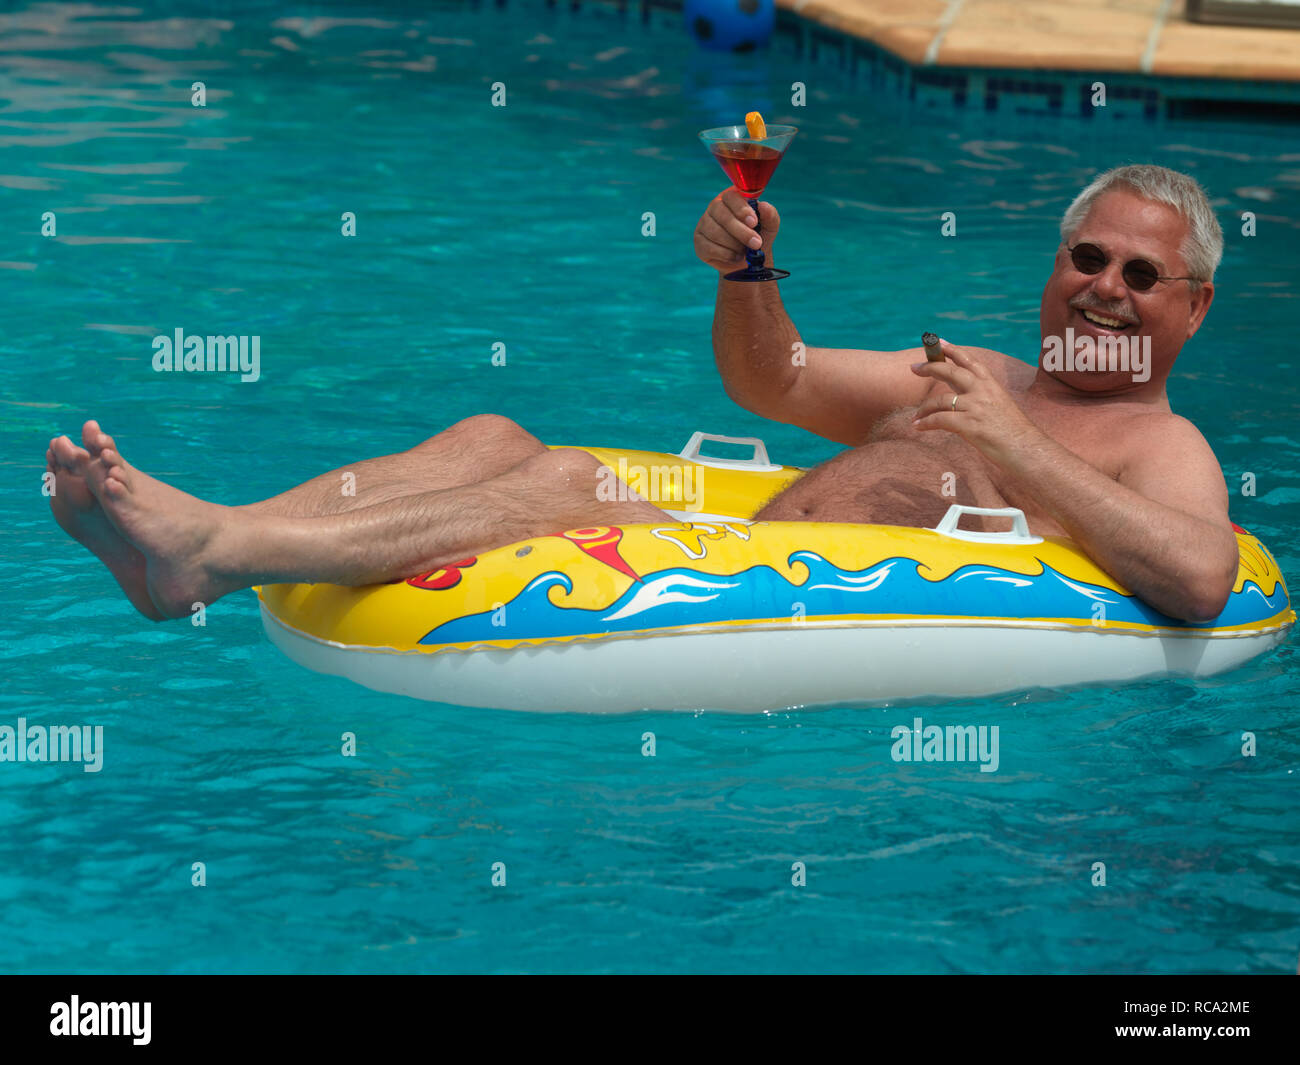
1129	36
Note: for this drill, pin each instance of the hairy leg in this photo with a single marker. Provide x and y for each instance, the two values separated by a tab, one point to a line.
197	551
474	449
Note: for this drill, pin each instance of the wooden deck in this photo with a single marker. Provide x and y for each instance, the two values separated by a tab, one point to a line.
1131	36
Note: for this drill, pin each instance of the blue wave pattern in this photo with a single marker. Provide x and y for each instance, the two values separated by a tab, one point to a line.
680	597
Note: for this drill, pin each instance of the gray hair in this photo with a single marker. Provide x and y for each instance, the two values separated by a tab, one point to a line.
1203	247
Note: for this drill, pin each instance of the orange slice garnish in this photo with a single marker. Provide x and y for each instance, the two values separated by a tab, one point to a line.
755	126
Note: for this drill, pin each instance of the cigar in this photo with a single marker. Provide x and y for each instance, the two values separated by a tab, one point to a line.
933	350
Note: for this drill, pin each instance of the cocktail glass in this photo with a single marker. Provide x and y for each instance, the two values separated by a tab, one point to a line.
750	162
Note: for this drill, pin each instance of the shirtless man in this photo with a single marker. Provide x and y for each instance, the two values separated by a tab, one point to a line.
1097	456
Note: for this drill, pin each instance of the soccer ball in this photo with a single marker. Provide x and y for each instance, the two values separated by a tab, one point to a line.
730	25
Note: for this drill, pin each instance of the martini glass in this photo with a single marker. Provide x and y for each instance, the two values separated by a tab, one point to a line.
750	162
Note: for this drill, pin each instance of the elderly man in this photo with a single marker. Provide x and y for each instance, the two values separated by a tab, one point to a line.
1091	453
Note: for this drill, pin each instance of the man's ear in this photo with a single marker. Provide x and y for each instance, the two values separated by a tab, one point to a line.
1201	300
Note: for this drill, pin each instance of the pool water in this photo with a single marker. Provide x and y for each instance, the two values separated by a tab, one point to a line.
522	225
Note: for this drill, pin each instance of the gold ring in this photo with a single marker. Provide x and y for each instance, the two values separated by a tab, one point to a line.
954	401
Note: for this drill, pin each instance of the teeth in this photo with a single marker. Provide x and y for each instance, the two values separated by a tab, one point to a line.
1099	319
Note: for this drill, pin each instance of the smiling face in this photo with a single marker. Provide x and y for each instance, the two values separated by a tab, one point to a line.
1125	226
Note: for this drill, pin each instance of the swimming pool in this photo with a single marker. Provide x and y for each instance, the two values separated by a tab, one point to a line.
523	225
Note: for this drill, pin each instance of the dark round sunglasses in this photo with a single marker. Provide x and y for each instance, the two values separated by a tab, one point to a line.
1138	274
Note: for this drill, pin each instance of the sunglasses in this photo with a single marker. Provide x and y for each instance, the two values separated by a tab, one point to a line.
1138	274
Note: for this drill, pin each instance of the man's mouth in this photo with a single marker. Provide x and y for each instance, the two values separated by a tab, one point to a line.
1104	323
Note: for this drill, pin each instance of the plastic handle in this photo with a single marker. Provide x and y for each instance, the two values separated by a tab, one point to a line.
1019	533
760	461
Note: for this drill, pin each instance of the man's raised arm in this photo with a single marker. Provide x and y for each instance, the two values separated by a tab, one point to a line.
836	393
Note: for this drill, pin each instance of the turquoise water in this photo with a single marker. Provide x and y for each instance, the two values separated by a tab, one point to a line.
523	225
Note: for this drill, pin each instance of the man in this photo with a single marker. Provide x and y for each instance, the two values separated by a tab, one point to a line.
1094	455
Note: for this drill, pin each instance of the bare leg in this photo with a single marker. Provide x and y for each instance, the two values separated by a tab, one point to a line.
196	552
473	449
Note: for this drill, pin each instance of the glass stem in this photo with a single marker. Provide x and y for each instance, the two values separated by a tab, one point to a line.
755	258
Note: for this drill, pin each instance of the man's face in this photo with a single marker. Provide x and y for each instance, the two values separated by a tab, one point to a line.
1125	226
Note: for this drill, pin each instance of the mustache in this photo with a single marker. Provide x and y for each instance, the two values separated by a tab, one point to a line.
1123	311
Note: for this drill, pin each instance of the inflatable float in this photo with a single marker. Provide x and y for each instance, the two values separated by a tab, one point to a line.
717	611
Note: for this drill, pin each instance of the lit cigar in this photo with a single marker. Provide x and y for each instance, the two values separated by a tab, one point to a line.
933	350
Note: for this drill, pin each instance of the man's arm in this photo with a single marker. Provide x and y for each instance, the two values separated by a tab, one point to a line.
1161	529
837	393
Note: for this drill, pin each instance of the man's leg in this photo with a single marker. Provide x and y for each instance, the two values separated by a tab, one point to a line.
473	449
196	552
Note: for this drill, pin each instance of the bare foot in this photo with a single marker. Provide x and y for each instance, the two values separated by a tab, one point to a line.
79	515
173	531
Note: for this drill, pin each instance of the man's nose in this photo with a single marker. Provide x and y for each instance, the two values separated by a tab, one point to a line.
1109	284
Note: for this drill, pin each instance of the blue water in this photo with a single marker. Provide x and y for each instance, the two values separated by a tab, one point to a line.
523	225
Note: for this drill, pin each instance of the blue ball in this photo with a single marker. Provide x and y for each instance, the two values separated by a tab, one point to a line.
730	25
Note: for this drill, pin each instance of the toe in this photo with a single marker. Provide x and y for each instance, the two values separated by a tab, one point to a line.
95	438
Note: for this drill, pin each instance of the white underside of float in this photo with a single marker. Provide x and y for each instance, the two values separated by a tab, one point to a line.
773	669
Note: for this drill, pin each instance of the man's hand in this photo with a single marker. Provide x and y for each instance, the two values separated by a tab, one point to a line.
984	415
726	230
1161	528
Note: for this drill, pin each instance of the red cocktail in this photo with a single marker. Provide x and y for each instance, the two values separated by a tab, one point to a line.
750	163
749	166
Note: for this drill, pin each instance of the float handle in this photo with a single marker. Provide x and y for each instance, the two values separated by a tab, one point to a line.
759	462
1018	534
